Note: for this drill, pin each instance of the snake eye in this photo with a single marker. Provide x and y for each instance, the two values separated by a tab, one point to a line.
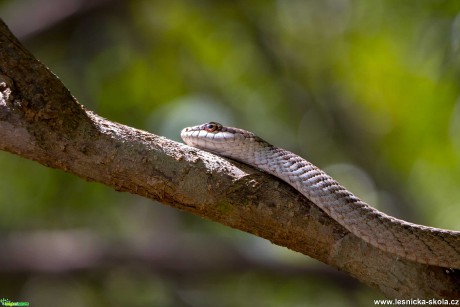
211	127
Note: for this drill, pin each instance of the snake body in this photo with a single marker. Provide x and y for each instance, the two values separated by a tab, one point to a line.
423	244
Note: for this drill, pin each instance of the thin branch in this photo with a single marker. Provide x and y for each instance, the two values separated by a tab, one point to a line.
41	121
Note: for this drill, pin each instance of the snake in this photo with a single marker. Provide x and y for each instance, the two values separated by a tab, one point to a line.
419	243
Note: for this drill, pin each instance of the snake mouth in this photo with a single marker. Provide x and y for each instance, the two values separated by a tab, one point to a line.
196	137
204	139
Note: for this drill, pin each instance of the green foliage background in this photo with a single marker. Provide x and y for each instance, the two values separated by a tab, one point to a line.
367	90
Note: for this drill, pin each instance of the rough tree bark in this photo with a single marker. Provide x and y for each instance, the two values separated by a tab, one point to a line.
41	121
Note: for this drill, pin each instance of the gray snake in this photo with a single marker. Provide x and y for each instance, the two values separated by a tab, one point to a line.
410	241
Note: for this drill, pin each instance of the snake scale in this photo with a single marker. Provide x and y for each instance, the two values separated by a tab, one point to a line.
423	244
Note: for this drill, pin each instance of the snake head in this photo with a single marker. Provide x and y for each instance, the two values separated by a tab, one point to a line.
226	141
207	136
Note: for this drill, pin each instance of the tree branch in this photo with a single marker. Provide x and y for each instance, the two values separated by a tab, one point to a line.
41	121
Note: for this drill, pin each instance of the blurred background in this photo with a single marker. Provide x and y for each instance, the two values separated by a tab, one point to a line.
367	90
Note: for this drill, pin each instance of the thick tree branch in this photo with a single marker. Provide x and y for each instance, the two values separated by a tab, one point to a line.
40	120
